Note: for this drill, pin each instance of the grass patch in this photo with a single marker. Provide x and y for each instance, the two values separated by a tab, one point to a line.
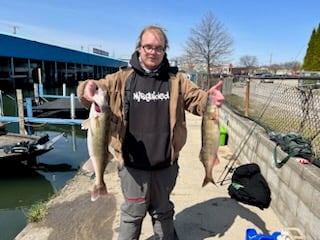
236	102
40	209
37	212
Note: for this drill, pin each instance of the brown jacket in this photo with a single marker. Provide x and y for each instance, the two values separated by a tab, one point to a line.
184	95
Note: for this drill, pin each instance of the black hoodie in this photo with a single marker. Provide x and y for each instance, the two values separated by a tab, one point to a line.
147	141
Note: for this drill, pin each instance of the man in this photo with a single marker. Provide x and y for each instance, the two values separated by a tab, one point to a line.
148	103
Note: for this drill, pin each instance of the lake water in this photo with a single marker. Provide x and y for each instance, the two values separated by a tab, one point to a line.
21	186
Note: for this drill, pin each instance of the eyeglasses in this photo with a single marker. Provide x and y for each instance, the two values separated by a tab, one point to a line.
149	48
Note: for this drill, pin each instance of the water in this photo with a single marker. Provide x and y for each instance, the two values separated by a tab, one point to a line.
21	186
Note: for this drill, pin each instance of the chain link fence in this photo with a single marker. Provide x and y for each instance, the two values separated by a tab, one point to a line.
278	105
283	106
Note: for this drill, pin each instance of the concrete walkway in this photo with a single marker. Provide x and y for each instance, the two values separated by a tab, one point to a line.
209	212
201	213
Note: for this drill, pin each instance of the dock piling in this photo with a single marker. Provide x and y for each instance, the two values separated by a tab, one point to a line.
29	107
20	111
72	106
36	93
64	90
1	104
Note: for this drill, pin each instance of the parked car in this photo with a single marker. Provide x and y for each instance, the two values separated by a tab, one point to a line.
266	78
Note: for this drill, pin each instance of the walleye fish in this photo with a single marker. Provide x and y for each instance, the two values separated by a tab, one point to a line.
210	134
98	138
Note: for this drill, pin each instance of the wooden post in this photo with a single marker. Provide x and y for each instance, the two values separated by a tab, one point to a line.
247	99
20	111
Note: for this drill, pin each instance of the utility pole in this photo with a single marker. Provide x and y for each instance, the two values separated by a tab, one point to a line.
15	29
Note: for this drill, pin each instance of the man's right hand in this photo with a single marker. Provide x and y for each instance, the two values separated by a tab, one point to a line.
89	90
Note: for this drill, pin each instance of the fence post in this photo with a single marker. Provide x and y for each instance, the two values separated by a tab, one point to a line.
247	98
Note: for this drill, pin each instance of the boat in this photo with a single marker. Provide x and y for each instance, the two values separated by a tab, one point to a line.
22	147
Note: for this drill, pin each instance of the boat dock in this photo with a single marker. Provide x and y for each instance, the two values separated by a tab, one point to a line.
59	110
60	107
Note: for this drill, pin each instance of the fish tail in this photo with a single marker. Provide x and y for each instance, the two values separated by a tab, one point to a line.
206	180
98	191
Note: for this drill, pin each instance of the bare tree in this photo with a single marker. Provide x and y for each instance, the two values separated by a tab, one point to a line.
248	61
274	68
209	43
294	66
188	62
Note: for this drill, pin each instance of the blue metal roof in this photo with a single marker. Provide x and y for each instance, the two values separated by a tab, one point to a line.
22	48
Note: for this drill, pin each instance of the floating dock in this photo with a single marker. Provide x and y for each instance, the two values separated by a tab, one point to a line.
59	108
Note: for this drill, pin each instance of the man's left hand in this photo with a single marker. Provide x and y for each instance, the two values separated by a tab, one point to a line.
216	95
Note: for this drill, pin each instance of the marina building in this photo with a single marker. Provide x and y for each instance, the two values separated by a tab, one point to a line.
25	62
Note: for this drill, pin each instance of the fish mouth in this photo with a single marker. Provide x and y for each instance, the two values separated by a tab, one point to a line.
97	107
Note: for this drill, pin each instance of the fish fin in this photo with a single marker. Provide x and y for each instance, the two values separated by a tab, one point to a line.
206	180
85	124
216	161
109	156
98	191
88	166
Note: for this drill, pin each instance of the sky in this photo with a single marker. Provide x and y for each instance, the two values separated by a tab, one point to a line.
274	31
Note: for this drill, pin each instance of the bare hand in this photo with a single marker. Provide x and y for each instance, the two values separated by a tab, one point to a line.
217	96
89	90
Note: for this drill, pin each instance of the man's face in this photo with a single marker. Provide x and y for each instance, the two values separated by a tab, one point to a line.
152	49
